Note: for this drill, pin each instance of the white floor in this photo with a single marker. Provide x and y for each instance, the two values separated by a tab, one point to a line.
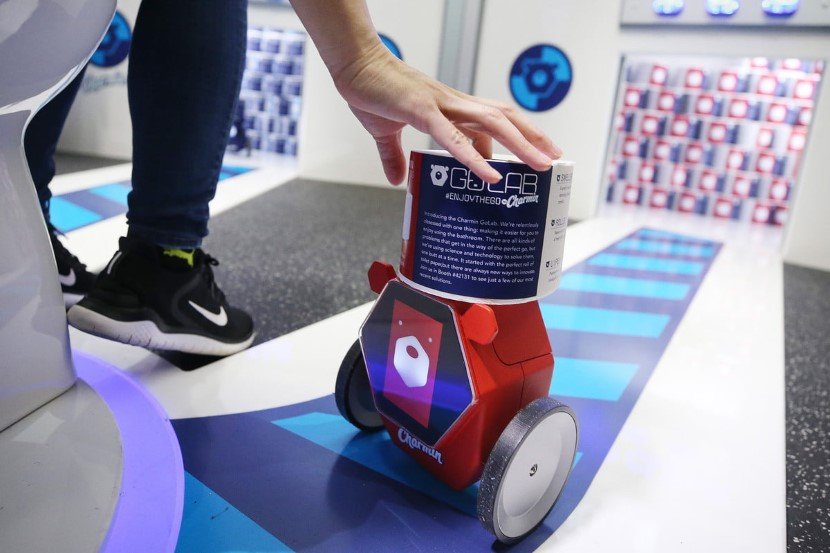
699	465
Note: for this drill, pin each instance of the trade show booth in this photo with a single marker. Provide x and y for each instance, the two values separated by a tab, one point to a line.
586	356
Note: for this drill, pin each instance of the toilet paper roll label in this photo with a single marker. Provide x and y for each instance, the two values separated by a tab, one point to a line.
469	240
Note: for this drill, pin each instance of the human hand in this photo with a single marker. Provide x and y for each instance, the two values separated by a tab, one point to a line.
385	95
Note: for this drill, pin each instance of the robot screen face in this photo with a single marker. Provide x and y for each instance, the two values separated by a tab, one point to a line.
416	363
414	346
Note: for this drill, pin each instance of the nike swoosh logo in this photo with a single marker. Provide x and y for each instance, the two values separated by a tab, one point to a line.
219	319
68	280
112	262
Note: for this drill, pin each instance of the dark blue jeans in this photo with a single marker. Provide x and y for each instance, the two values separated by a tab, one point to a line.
186	63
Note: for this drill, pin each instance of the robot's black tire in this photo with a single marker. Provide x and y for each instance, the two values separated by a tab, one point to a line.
527	469
353	394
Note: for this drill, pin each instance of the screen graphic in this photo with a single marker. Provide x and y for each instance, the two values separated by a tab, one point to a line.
414	343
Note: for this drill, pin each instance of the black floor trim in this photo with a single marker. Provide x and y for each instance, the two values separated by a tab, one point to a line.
807	339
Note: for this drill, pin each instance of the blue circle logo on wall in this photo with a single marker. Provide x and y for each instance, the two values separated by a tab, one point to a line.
389	43
115	45
541	77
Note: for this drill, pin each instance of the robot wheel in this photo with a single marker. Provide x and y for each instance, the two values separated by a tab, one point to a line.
353	394
527	469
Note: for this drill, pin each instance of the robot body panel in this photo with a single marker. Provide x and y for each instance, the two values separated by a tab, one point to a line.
407	380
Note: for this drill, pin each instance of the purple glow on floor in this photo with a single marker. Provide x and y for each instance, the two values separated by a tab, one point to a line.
149	510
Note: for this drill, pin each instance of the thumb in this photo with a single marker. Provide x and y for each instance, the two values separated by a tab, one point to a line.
392	158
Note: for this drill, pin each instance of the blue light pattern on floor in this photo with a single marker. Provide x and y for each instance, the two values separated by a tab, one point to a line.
651	264
651	246
589	379
212	525
621	286
604	321
309	478
73	210
68	215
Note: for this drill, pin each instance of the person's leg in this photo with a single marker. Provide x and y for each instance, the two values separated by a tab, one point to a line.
158	290
42	136
186	67
39	144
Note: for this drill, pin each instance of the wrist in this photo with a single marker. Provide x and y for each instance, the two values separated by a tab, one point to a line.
348	69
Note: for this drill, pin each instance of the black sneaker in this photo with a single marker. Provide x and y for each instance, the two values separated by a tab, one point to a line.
76	281
148	297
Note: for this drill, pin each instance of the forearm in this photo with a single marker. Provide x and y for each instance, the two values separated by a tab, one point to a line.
342	31
386	95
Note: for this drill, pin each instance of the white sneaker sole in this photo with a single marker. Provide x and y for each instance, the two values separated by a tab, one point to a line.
146	334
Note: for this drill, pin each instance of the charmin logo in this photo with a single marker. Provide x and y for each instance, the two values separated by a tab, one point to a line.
439	174
414	443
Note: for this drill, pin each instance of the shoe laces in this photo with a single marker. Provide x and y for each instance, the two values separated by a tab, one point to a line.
211	262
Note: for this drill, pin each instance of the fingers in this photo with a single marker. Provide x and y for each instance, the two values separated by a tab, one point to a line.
489	119
530	131
482	142
457	144
392	158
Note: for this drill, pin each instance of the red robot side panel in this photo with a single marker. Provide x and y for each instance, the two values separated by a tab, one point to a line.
479	324
538	374
522	334
380	273
498	393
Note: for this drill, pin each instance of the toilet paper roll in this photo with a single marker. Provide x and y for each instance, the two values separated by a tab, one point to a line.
467	240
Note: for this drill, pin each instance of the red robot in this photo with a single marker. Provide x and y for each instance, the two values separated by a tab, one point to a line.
463	389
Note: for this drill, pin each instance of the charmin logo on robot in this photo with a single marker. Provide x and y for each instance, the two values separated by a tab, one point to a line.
414	443
523	187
